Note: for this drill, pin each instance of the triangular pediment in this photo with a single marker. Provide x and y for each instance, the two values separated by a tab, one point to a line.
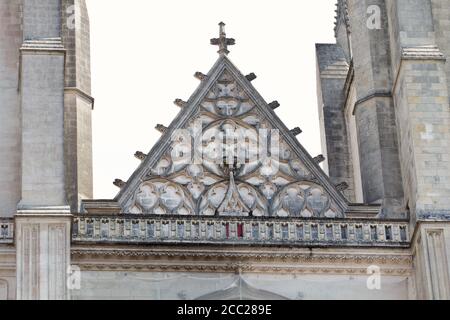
227	153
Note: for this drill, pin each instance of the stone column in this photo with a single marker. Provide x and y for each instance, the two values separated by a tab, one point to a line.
43	253
431	261
374	109
42	220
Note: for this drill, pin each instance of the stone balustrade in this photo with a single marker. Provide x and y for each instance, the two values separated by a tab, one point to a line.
6	231
132	229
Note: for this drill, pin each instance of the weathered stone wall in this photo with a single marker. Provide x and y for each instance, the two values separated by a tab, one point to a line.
110	285
42	130
7	272
441	22
422	105
78	103
332	72
42	19
342	39
76	38
374	110
424	117
352	136
10	125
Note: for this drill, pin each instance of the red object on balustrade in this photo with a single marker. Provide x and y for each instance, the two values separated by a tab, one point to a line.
240	230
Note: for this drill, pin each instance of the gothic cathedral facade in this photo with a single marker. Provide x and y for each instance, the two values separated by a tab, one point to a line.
228	204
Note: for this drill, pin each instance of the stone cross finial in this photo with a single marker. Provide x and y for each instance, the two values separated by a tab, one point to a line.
223	42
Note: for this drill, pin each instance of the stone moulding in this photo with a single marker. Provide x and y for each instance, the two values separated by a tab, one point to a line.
224	260
246	231
82	94
51	46
422	53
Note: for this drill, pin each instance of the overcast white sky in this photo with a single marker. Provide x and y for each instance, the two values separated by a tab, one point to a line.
144	55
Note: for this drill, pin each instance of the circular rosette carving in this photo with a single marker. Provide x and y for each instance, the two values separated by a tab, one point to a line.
162	197
303	199
230	199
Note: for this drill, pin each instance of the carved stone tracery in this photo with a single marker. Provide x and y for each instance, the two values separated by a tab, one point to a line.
193	176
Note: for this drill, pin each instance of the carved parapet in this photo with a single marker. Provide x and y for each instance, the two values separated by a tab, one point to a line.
143	229
6	231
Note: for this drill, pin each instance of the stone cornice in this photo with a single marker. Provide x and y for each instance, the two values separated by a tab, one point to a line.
231	260
405	271
43	46
306	255
44	211
101	207
355	211
372	95
82	94
422	53
338	70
